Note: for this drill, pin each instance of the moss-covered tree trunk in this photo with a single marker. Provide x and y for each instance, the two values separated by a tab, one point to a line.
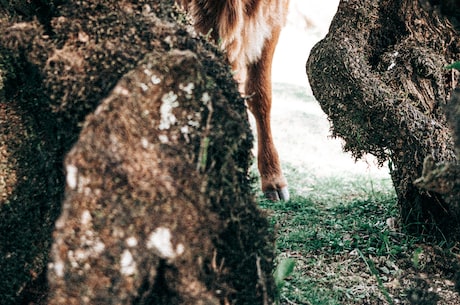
380	76
137	174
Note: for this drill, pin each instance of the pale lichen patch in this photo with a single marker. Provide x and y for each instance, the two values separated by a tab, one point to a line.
86	218
147	72
169	102
185	130
180	249
205	98
72	176
160	241
145	143
193	123
57	267
131	242
188	89
155	79
120	90
98	247
127	263
163	138
82	184
144	87
194	120
393	60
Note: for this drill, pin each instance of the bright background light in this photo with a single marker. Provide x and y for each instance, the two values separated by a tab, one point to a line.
301	129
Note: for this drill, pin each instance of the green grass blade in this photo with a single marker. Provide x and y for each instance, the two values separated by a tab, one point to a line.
455	65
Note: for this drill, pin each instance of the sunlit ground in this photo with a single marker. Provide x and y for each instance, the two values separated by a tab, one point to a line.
300	127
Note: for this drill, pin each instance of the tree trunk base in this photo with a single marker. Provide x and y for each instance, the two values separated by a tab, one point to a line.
379	75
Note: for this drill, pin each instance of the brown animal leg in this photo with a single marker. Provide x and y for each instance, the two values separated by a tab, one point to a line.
259	90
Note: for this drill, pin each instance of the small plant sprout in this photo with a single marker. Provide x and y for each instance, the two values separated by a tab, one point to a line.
282	271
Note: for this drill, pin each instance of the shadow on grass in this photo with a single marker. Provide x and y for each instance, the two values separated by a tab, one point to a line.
349	249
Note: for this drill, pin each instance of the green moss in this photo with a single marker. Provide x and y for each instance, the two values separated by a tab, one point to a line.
55	80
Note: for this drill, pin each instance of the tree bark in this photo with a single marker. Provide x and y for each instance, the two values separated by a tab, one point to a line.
380	76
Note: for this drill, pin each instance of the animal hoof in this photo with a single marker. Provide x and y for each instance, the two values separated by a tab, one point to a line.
276	195
284	193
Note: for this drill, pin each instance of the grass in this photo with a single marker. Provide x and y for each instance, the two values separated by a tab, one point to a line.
341	224
345	245
339	216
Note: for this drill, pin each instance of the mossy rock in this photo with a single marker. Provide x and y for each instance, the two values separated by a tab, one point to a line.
56	72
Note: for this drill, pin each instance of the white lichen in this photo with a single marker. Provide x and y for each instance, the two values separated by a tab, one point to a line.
193	123
81	255
98	248
145	143
89	249
127	263
144	87
121	91
90	245
180	249
391	66
185	132
155	79
131	242
206	98
86	218
72	260
168	40
160	242
57	267
82	185
72	176
393	60
169	102
163	138
188	89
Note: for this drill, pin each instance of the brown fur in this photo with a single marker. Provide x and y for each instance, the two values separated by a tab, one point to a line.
248	31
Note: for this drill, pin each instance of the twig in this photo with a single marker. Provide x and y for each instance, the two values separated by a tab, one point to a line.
262	280
291	302
204	143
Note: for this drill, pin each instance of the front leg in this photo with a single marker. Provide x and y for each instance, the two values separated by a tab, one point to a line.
259	90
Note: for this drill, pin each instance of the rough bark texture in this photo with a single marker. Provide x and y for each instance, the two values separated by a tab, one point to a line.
379	75
158	205
444	178
453	115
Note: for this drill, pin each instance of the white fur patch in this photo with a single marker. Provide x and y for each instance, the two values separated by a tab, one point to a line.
245	39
